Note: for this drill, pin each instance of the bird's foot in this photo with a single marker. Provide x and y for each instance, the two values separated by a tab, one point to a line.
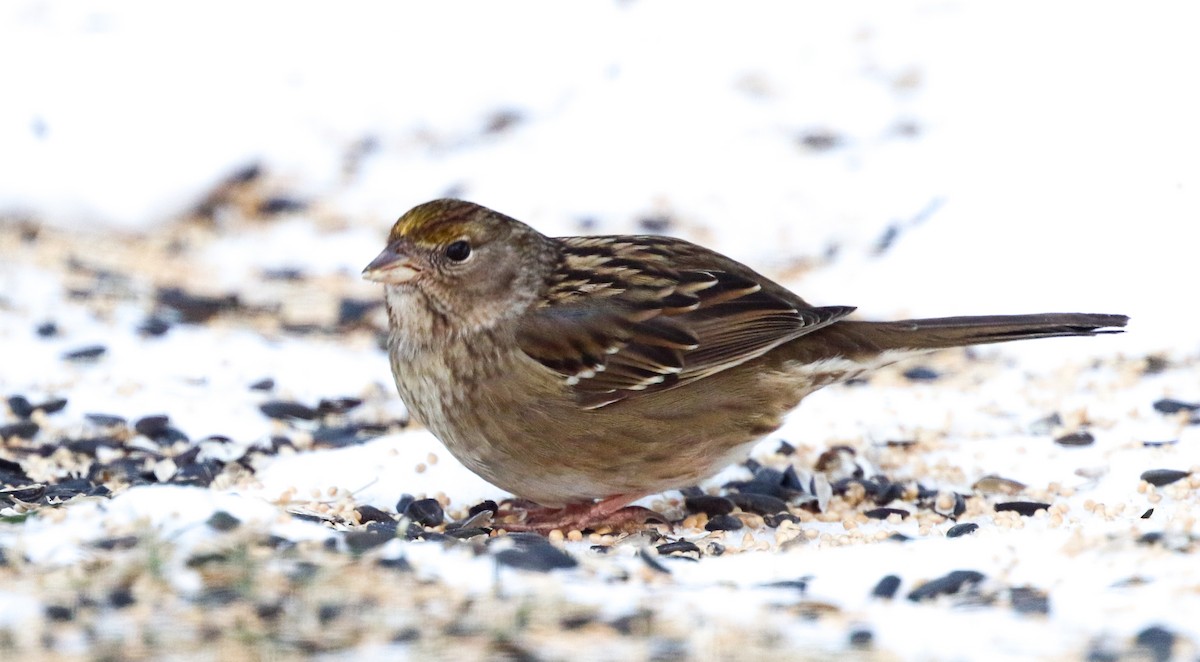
614	513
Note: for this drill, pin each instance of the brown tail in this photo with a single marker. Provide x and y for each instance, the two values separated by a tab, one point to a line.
942	332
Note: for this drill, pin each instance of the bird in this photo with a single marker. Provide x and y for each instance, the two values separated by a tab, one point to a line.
583	373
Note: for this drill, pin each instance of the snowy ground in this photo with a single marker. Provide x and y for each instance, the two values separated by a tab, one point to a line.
195	190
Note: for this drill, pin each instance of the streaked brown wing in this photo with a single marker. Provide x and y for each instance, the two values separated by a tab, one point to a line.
628	325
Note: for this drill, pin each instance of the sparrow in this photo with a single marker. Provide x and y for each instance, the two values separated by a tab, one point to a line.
584	373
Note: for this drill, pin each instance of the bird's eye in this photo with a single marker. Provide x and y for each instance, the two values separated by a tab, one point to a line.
459	250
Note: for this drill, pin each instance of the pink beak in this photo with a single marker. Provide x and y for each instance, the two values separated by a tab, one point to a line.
391	266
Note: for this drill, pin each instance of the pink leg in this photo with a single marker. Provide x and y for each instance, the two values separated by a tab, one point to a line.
614	512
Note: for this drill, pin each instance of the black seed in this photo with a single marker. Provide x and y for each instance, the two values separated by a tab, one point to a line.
119	542
327	613
1080	438
20	406
406	635
152	426
120	598
900	443
1022	508
11	473
91	445
368	513
884	513
723	523
47	330
677	547
861	638
921	374
464	533
795	584
223	521
361	541
269	611
52	406
1151	538
85	353
962	529
1159	444
948	584
1045	424
199	474
28	493
283	410
280	205
653	563
791	481
194	309
426	512
399	563
759	504
709	505
105	420
1147	514
1026	600
775	520
1170	406
404	502
153	326
59	613
1161	477
820	140
533	552
68	489
287	274
265	384
337	436
1158	641
337	405
785	448
20	430
655	224
886	588
488	505
352	311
